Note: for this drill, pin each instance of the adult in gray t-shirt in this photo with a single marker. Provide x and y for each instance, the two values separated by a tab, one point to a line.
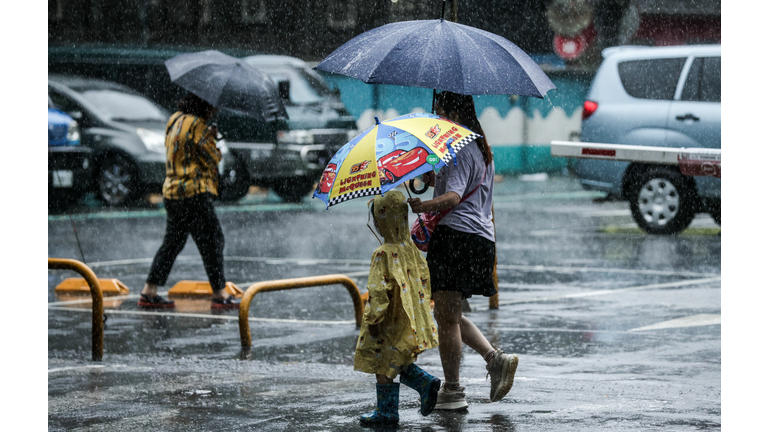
474	214
462	253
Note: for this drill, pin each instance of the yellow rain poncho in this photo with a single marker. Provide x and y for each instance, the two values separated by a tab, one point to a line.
399	292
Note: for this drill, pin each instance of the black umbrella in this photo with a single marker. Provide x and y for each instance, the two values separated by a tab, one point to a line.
227	82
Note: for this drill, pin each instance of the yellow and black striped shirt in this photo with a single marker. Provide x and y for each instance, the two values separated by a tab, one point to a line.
191	158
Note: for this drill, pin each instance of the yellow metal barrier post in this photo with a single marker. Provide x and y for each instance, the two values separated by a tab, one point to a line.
286	284
98	300
493	301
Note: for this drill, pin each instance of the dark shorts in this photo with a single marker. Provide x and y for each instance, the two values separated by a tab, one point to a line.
461	262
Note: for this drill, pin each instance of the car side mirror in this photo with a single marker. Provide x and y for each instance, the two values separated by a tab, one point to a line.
284	88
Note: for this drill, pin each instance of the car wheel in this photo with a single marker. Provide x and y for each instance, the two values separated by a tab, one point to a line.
117	181
293	190
662	201
234	182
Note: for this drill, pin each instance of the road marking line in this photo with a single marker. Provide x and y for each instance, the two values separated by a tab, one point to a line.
565	269
318	261
106	298
307	205
689	321
140	214
606	213
203	316
699	222
76	368
614	291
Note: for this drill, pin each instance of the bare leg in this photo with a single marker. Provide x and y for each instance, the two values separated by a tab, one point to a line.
471	336
448	317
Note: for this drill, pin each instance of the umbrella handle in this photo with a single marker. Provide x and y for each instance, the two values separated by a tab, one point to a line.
412	186
424	230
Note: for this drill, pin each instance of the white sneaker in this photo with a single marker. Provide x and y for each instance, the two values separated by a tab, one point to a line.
502	371
451	400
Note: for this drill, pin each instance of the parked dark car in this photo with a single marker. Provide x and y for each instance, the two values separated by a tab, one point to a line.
285	156
69	163
126	132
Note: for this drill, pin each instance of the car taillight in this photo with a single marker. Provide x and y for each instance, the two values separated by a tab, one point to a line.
589	108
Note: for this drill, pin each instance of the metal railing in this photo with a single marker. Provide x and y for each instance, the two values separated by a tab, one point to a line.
97	318
286	284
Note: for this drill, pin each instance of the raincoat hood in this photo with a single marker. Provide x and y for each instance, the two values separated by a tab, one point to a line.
391	214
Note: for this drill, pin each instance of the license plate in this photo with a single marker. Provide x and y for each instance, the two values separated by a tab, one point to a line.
62	178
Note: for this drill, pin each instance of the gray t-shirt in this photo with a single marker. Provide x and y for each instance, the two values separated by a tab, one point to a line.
474	214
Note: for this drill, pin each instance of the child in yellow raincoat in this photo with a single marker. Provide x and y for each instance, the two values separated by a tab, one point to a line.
397	324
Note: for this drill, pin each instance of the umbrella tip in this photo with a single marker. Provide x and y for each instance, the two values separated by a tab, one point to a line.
377	120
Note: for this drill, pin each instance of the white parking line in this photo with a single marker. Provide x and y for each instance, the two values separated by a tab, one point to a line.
319	261
606	213
689	321
69	368
565	269
106	298
203	316
607	292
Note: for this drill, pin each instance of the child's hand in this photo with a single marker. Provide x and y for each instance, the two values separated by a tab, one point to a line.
373	329
416	205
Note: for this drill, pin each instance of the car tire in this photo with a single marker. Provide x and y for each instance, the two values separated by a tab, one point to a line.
293	190
234	182
116	181
662	201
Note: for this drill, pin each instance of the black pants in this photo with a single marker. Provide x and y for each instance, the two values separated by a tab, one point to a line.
194	215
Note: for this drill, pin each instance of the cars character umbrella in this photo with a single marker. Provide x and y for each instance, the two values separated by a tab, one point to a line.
389	153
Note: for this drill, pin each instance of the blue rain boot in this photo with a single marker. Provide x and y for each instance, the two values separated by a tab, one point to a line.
427	385
387	399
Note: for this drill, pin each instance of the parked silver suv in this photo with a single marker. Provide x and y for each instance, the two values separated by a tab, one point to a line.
655	96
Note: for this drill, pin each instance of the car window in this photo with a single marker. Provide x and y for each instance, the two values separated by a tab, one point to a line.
120	106
703	80
710	80
691	87
651	79
62	102
304	89
301	92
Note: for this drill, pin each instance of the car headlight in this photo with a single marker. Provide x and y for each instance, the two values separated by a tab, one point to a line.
73	133
153	141
295	137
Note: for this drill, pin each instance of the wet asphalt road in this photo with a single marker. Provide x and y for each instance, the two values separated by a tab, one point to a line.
615	329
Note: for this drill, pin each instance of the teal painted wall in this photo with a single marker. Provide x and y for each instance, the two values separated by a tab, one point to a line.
528	153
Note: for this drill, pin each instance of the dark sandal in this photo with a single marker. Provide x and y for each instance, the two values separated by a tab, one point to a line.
229	303
156	302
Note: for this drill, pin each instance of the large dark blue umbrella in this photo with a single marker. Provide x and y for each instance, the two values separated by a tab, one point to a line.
227	82
440	55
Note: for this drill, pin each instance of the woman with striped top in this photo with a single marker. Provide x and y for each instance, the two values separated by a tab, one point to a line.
191	185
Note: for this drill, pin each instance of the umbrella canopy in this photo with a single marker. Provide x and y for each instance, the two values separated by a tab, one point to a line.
389	153
227	82
440	55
